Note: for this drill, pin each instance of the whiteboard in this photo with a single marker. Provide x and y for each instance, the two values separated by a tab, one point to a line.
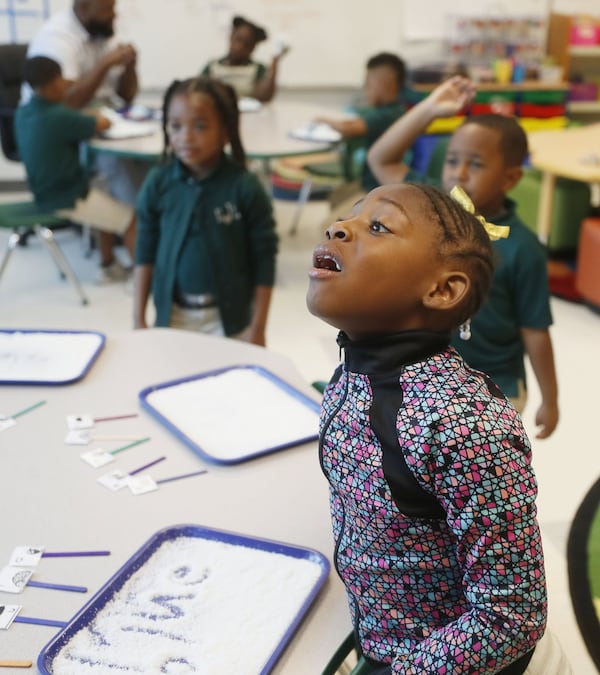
330	39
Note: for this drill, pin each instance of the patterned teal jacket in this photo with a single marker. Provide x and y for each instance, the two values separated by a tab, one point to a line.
433	509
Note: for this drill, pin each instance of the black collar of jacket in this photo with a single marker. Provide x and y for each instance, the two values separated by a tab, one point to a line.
388	353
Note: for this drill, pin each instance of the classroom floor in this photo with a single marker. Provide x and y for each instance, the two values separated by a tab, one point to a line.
567	464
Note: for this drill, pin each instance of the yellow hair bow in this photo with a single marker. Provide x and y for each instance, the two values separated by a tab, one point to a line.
494	231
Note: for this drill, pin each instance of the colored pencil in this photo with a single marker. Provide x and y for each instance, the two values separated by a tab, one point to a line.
57	587
29	409
146	466
72	554
183	475
129	445
115	417
39	622
119	437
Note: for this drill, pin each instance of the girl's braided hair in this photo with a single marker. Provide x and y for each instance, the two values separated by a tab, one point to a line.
465	240
225	100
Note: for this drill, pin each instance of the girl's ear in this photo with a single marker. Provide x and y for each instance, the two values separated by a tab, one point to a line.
448	292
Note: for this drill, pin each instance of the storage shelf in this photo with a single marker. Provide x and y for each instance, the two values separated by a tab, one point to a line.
588	52
529	85
581	107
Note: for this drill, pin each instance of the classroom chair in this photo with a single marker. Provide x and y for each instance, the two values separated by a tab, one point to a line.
12	59
346	660
24	216
340	168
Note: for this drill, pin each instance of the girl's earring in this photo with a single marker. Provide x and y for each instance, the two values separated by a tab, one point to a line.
464	331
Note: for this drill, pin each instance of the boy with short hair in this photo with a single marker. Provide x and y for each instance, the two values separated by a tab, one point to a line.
484	157
383	86
48	135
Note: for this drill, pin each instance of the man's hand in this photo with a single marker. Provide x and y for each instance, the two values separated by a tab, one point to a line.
122	55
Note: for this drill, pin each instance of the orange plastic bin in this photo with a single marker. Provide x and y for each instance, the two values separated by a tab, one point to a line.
588	262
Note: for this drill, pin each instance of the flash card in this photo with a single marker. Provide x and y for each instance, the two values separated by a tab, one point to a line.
6	422
77	437
75	422
139	485
114	480
14	579
26	556
7	615
97	457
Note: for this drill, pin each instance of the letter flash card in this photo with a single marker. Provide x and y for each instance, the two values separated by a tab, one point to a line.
7	615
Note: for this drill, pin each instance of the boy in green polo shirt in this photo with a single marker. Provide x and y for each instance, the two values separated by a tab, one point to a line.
383	86
48	135
484	157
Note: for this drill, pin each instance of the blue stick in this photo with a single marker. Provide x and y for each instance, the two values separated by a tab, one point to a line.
146	466
39	622
72	554
57	587
183	475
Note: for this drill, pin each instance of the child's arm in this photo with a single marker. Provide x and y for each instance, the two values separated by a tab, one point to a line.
385	155
256	331
264	89
350	128
539	348
102	123
142	281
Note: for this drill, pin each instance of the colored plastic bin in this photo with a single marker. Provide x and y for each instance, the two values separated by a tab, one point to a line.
570	206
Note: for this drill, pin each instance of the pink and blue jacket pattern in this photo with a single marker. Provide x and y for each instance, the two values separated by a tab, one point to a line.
432	499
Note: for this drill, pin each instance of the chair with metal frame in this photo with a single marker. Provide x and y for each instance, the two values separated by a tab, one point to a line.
26	216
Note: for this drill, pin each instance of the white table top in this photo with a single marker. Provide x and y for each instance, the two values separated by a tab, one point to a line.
265	134
571	153
51	496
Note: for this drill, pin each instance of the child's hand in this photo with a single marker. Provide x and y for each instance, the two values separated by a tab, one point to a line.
254	336
281	49
546	418
450	97
102	123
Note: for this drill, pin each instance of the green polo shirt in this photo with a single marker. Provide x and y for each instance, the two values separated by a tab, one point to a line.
48	137
235	220
377	119
519	298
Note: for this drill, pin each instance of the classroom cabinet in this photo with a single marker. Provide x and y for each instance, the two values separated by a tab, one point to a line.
574	43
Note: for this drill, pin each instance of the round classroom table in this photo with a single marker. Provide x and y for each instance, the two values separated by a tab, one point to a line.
265	134
564	153
52	498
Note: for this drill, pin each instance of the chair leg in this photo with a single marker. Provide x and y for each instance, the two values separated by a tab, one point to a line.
302	199
45	234
13	242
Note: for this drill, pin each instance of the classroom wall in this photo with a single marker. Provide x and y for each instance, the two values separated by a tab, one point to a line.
330	39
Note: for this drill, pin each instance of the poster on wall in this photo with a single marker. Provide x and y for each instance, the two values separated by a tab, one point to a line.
419	22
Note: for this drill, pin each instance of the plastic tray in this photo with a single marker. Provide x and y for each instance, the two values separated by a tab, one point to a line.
57	357
234	414
87	615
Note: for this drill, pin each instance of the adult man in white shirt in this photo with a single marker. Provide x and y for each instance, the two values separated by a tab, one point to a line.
98	70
